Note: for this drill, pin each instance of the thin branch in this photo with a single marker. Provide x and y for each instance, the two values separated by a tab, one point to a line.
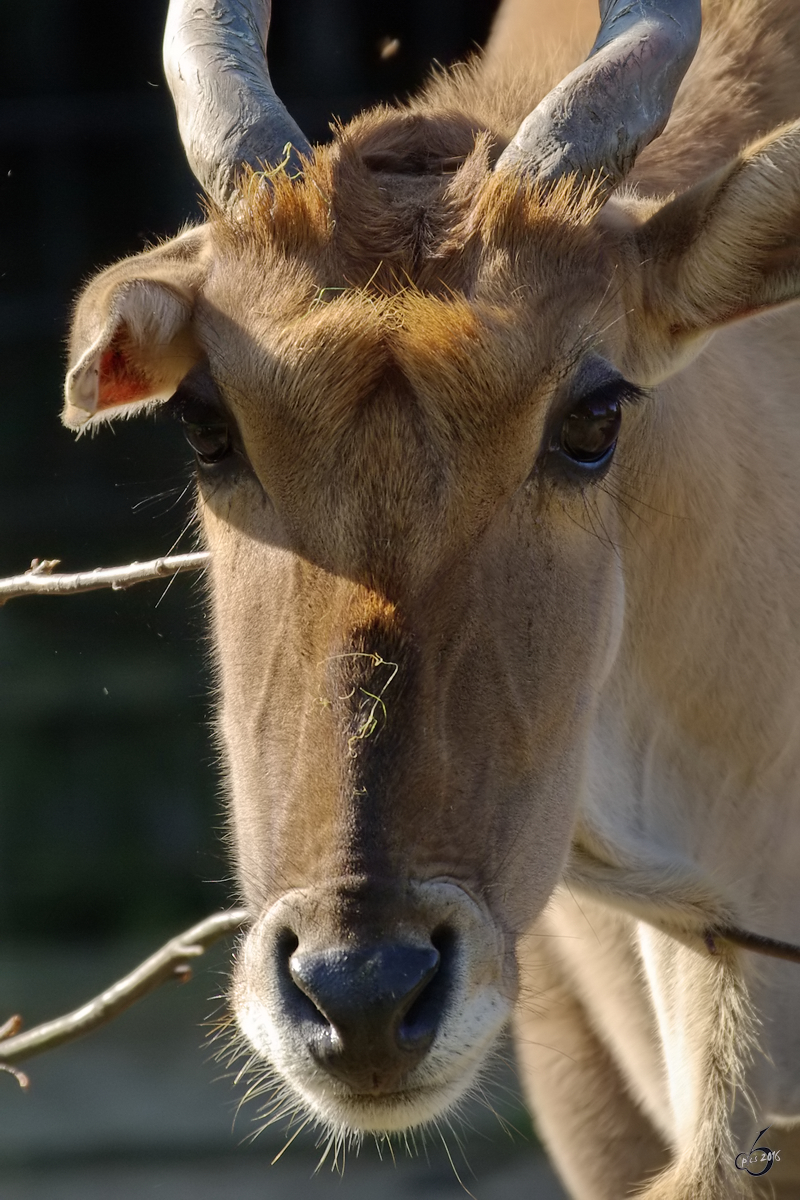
40	580
753	941
170	962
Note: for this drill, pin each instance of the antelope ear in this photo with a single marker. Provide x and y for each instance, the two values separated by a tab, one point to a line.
725	249
132	340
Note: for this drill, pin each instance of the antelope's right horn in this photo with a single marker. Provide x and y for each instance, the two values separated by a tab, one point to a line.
596	121
228	113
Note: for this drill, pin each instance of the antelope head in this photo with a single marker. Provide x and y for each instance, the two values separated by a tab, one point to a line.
408	364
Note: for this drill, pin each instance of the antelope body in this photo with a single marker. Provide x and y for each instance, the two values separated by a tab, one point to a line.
498	437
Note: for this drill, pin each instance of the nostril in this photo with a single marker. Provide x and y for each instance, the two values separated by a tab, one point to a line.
285	945
445	940
419	1023
296	1000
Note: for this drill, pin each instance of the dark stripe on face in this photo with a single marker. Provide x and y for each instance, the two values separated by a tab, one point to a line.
372	688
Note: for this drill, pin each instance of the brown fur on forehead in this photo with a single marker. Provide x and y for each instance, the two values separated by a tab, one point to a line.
488	313
463	365
403	199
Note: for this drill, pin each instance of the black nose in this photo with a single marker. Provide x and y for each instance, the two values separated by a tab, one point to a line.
373	1011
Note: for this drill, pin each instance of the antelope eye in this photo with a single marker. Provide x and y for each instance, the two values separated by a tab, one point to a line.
589	432
207	434
206	426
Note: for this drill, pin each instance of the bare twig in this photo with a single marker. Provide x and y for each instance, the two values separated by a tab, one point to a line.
753	941
170	962
40	580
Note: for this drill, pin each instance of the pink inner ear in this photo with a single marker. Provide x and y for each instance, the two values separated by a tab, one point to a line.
121	382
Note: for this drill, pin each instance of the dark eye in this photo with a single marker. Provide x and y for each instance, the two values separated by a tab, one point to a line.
206	426
207	434
589	432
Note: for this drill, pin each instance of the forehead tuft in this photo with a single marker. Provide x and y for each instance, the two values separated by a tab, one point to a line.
403	199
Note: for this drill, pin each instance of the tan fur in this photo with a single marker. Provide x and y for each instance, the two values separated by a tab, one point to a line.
458	689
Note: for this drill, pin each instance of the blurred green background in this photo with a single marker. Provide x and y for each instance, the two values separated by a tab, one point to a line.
110	810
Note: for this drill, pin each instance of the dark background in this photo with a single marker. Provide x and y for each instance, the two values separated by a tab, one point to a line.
109	806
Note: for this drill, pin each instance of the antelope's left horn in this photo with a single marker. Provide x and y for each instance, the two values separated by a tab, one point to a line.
598	119
228	113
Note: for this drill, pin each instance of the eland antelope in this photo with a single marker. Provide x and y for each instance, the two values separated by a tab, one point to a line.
494	406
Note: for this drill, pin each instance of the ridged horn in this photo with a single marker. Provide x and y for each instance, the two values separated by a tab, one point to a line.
228	113
598	119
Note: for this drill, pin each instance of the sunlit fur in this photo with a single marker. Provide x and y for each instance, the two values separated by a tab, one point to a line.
587	688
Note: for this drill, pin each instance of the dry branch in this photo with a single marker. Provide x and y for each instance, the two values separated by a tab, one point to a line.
170	962
41	581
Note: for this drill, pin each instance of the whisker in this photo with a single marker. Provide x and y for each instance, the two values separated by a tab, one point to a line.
296	1134
453	1165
